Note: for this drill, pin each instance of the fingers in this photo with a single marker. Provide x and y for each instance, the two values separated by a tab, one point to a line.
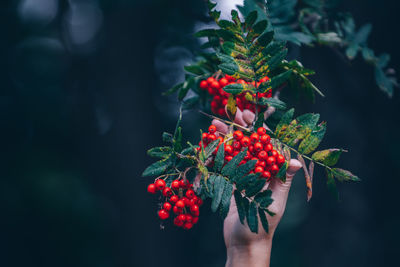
269	112
221	127
279	189
248	116
238	117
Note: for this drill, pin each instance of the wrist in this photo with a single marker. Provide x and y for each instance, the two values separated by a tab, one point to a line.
255	254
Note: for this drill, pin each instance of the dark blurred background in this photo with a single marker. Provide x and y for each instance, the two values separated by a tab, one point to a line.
80	104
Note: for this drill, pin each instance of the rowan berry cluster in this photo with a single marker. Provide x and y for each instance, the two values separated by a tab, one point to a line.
214	87
259	147
181	199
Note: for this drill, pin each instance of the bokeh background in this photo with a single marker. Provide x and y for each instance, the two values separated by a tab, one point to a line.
80	104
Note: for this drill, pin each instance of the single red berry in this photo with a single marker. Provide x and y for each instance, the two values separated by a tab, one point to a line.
223	82
262	155
261	131
182	184
160	184
163	214
265	139
221	139
224	102
268	147
274	169
167	192
254	137
221	112
203	84
237	135
174	199
180	204
176	210
210	80
212	137
195	220
204	136
245	141
251	149
212	129
215	85
178	222
151	188
261	163
236	145
194	209
258	147
228	149
188	218
228	158
167	206
258	169
274	153
270	160
187	225
280	159
242	162
248	155
190	194
266	175
186	201
234	154
175	185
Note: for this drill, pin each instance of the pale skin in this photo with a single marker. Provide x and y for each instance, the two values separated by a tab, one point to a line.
245	248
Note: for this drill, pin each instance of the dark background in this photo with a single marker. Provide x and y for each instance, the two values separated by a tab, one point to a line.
80	104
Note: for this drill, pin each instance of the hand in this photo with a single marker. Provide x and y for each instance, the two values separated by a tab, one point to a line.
245	248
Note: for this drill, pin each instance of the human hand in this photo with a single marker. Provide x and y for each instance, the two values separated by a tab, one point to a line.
245	248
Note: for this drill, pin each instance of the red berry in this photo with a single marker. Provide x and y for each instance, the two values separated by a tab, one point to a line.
181	217
212	129
167	192
274	169
245	141
190	194
175	185
203	84
238	135
235	153
266	175
180	204
261	131
215	85
228	149
261	163
182	184
265	139
163	214
268	147
270	160
187	225
258	169
236	145
194	209
280	159
178	222
210	80
258	147
204	136
223	82
174	199
274	153
212	137
151	188
254	137
167	206
228	158
195	220
262	155
199	202
186	201
188	218
176	210
160	184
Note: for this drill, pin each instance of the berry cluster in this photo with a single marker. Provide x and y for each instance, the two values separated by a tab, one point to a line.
220	97
181	199
259	147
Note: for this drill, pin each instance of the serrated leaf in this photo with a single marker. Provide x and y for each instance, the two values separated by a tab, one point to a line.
219	185
173	89
157	168
159	152
211	148
219	158
226	200
255	187
264	198
272	102
231	107
251	18
230	168
312	141
331	184
344	175
237	88
276	59
206	33
260	26
329	157
245	181
252	217
263	219
167	137
280	79
282	172
244	169
194	69
241	205
284	122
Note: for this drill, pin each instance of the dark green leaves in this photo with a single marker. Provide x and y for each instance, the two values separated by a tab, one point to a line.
219	185
237	88
230	168
329	157
157	168
344	175
219	158
263	219
272	102
241	205
159	152
252	217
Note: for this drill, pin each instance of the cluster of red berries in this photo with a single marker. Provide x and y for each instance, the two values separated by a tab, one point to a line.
181	199
269	160
220	97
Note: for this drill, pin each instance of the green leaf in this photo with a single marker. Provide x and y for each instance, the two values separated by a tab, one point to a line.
368	54
157	168
173	89
276	59
194	69
206	33
178	140
260	26
185	88
190	102
384	83
255	187
251	18
282	172
245	181
362	34
241	204
383	60
219	185
331	184
159	152
352	50
230	168
219	158
312	141
244	169
263	219
329	157
211	148
272	102
280	79
344	175
266	38
252	218
284	122
264	198
237	88
226	199
167	137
